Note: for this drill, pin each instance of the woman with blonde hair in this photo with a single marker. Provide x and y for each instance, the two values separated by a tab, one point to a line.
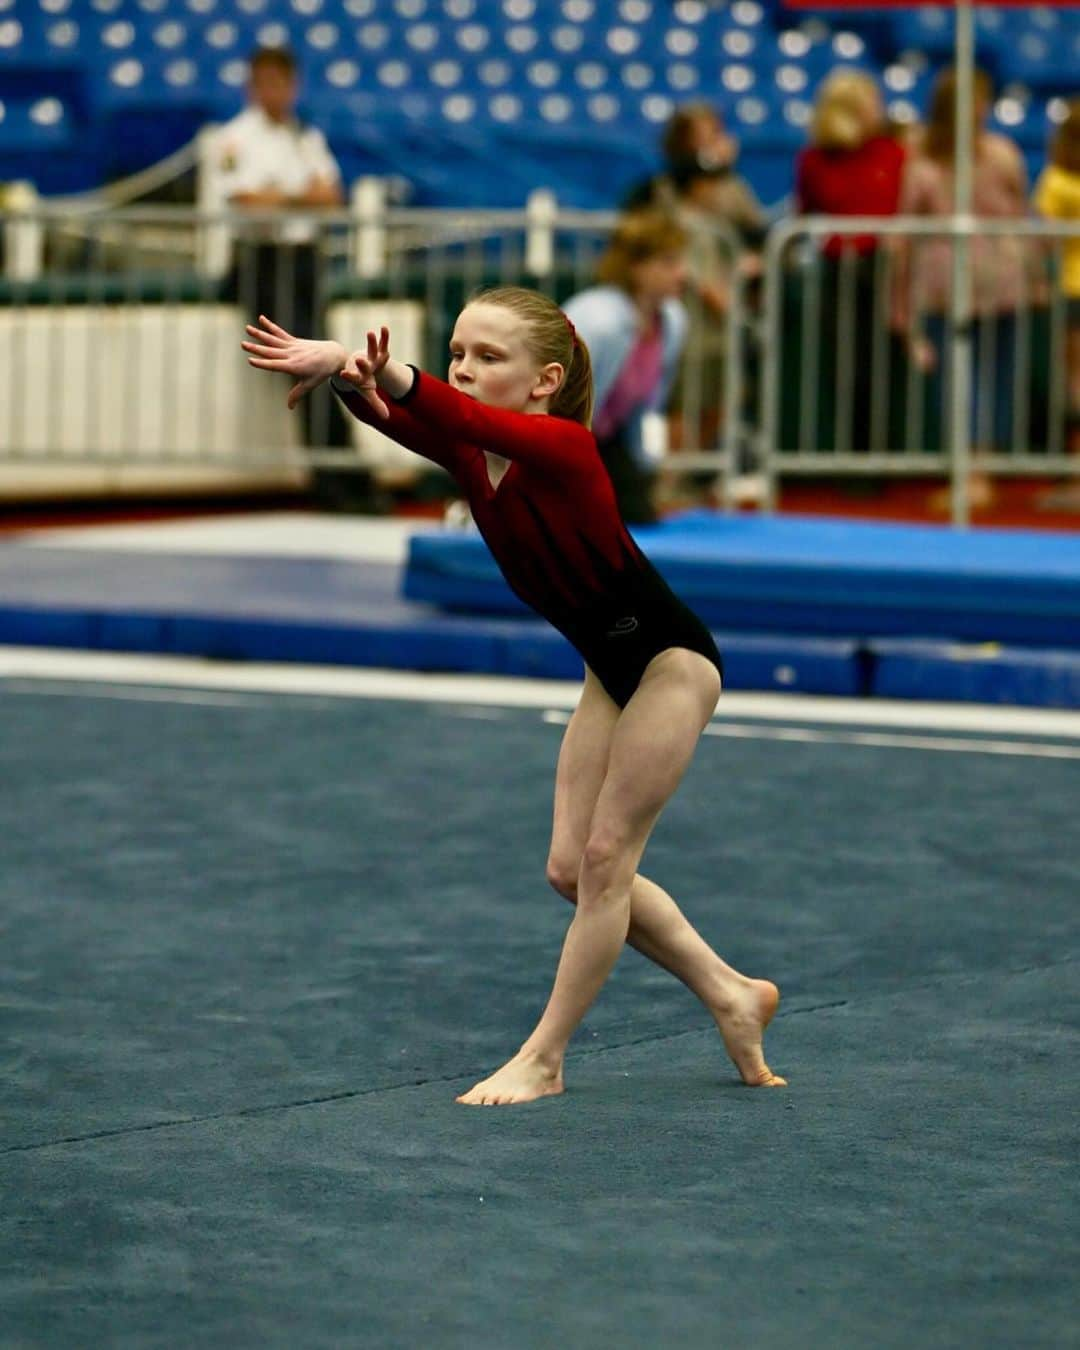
511	425
852	167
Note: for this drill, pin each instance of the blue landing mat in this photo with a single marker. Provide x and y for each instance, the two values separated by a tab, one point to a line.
988	673
829	578
349	613
329	612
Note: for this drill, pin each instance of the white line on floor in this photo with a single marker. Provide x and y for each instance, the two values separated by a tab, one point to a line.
284	534
119	669
560	717
132	694
750	731
1039	749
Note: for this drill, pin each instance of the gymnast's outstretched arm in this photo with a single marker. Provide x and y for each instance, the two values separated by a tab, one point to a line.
311	361
551	443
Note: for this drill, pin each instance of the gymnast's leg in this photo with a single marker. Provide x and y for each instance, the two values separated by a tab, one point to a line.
658	928
740	1006
616	772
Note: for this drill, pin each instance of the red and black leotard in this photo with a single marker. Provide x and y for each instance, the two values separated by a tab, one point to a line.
552	525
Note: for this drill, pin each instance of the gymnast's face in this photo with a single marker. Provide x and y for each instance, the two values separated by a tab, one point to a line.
490	361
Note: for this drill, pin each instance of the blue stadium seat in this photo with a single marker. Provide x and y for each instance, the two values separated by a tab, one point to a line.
906	80
1011	23
611	71
1047	61
37	125
41	39
928	29
741	44
758	119
425	40
738	80
18	37
1017	115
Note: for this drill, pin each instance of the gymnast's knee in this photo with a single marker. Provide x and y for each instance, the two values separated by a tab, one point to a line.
562	875
604	852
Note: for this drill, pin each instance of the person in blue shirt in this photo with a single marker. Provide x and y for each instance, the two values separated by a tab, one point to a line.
635	326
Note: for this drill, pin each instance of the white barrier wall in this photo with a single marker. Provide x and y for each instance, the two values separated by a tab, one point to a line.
97	398
137	398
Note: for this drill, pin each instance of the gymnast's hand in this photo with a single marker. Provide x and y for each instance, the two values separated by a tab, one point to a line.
308	359
362	369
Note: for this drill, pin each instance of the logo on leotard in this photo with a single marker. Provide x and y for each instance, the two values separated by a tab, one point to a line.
626	625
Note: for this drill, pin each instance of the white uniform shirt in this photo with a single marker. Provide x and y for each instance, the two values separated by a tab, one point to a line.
254	154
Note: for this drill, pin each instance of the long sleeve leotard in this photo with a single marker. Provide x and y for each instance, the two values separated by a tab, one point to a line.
552	523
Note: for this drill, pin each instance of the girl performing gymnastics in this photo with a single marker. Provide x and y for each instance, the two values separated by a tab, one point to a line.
511	426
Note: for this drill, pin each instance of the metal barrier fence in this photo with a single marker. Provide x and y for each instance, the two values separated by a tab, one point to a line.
872	369
120	331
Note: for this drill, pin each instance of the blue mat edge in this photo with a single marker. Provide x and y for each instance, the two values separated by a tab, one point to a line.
459	575
915	668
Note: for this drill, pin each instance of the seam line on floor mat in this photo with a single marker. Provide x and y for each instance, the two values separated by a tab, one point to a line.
245	1111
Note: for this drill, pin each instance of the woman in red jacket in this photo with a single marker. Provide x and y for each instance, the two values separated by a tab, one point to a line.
851	168
512	427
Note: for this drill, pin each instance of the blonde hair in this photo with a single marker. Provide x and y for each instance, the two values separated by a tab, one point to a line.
550	336
839	121
1065	146
639	236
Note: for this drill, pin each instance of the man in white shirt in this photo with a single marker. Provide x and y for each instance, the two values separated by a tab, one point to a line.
265	158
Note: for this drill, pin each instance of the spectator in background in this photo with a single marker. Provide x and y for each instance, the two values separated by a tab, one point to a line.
1002	267
852	167
699	166
1057	197
722	215
634	325
266	160
726	225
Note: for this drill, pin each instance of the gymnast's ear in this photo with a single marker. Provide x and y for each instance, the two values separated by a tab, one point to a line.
548	379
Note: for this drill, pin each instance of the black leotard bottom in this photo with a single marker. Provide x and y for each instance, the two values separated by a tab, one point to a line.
619	638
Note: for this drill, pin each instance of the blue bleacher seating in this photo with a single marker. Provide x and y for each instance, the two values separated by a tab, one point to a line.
557	88
37	125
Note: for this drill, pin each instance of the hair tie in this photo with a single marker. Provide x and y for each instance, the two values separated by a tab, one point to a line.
572	329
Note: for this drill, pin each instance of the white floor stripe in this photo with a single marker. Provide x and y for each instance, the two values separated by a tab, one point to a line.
285	678
283	534
1040	750
357	682
560	717
750	731
40	663
131	694
493	690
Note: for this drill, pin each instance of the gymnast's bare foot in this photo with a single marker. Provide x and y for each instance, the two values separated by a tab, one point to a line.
522	1079
742	1017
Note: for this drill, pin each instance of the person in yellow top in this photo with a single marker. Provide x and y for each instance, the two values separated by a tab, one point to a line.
1057	196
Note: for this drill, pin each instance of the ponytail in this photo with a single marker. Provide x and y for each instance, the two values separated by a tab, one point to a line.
574	397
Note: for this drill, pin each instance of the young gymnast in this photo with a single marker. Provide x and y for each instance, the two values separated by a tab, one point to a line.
511	426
